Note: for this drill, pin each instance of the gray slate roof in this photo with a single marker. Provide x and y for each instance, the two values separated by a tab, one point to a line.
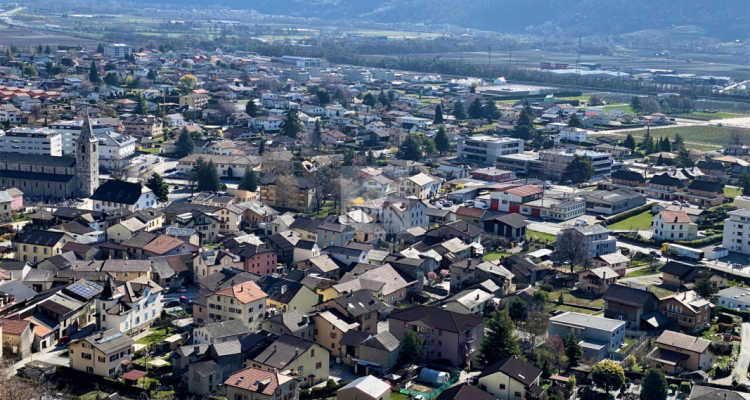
227	328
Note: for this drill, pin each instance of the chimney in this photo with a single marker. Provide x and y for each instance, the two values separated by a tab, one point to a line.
283	289
477	296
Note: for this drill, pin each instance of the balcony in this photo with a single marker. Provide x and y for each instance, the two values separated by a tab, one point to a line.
425	336
429	348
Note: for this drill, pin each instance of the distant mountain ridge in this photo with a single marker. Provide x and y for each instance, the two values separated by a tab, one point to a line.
725	19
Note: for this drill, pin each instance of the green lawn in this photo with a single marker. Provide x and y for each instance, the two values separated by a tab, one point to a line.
540	235
158	335
398	396
637	222
494	256
575	309
153	150
642	272
576	297
628	342
731	191
624	107
710	334
704	134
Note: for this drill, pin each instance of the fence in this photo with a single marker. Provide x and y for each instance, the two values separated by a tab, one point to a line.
432	395
640	338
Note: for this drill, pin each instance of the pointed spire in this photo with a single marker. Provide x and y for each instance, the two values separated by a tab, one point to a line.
109	289
87	131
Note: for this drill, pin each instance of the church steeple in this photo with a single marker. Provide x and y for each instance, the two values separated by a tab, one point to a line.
87	159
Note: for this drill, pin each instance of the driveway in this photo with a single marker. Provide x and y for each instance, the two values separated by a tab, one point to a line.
743	361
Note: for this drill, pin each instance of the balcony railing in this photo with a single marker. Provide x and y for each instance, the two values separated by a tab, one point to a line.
429	348
425	336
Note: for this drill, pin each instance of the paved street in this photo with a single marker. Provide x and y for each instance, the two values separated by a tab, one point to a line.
740	369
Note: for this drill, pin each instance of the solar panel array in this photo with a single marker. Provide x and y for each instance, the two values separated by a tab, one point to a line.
108	338
86	289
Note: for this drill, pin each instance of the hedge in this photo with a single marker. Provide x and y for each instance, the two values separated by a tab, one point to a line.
568	94
627	214
693	243
745	315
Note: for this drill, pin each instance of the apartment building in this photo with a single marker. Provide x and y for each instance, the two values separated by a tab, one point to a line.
115	150
118	50
70	130
737	231
40	141
143	126
597	239
245	302
602	162
486	149
10	113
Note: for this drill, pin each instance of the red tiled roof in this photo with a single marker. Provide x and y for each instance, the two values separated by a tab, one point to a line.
470	212
14	326
524	191
675	216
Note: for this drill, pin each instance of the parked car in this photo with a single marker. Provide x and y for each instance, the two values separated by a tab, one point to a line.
183	289
447	204
601	217
480	206
63	341
172	303
655	253
469	203
184	300
675	203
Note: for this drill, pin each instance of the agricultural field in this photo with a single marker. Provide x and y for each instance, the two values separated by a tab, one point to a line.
710	135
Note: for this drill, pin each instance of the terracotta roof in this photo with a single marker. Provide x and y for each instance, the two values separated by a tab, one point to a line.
682	341
470	212
244	292
250	379
163	244
14	326
675	216
524	191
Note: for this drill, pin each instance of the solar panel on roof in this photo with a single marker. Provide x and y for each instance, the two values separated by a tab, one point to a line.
108	338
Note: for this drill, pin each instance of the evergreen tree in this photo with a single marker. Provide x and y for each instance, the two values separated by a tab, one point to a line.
324	98
516	309
438	115
291	125
94	73
208	178
39	49
580	168
140	106
490	110
369	100
660	161
251	109
262	147
383	99
47	50
475	109
678	143
410	149
184	146
371	158
654	386
665	145
743	182
151	74
160	189
442	142
575	121
629	142
317	135
684	160
706	289
499	341
249	181
573	350
429	146
635	104
458	111
100	48
9	54
348	158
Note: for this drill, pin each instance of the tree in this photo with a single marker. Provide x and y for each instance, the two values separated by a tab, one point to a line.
490	110
29	70
208	178
571	248
629	142
429	146
111	79
371	158
665	145
348	158
654	386
412	348
291	125
189	81
152	74
737	137
458	111
575	121
475	109
251	109
608	376
47	50
438	115
140	106
516	309
324	97
744	183
67	62
262	147
647	143
635	104
160	189
498	342
678	143
553	350
660	161
573	350
410	149
100	48
706	289
383	99
596	101
684	160
184	146
369	100
443	143
249	181
580	168
537	323
540	297
317	135
94	73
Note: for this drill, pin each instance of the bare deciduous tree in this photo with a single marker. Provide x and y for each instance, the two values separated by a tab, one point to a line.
144	83
738	137
274	163
286	193
572	247
36	111
553	165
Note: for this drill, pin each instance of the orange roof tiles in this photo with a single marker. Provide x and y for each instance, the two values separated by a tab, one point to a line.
14	326
675	216
163	244
244	292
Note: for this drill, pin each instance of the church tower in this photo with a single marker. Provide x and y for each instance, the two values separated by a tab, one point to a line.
87	160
